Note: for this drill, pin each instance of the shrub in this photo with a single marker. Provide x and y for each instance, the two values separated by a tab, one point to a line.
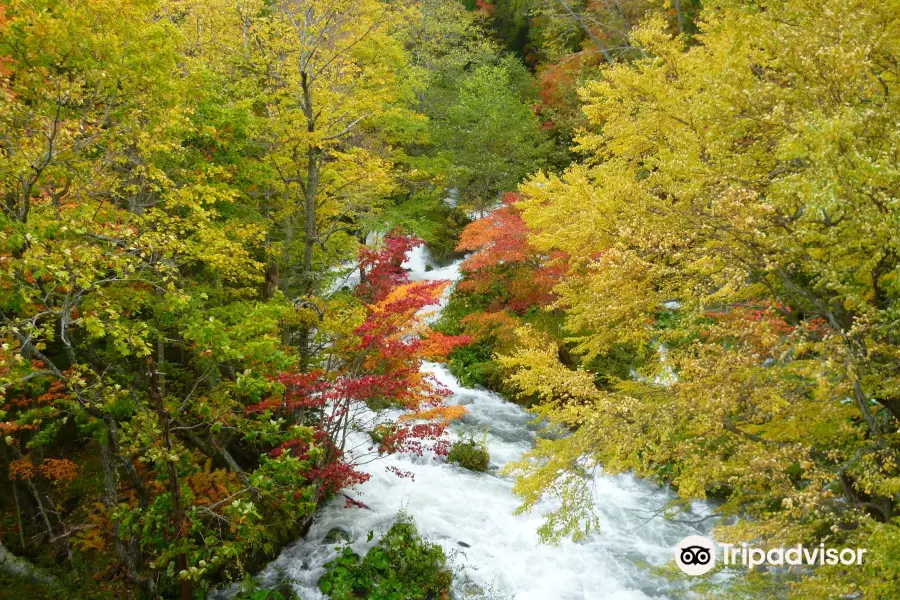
401	566
470	453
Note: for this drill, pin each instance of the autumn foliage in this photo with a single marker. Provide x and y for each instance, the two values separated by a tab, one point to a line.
383	369
177	373
382	266
504	264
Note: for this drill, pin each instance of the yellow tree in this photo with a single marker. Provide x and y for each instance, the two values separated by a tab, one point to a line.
113	247
317	76
738	212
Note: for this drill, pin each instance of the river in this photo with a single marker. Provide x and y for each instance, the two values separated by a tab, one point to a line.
471	514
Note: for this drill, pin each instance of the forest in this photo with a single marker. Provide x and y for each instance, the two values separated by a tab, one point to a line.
660	237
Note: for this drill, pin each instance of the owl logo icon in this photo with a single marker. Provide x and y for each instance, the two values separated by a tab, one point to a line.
695	555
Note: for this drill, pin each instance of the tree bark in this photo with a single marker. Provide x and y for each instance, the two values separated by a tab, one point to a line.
680	17
134	478
213	449
111	499
587	30
173	485
270	284
20	568
15	491
310	201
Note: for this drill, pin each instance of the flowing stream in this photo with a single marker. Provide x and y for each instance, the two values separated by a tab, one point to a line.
496	554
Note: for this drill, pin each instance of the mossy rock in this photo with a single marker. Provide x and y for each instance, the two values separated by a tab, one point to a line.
470	454
337	535
400	565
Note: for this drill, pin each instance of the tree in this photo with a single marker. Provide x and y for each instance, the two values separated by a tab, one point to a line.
719	218
490	137
156	160
18	567
503	264
573	39
377	365
319	77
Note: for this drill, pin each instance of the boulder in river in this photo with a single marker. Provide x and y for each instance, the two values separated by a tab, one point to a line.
470	453
336	535
472	589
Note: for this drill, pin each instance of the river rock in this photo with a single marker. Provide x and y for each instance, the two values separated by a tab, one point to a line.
337	534
472	589
464	545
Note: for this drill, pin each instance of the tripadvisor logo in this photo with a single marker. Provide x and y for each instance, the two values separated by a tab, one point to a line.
696	555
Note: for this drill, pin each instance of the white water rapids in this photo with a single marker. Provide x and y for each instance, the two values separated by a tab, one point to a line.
471	514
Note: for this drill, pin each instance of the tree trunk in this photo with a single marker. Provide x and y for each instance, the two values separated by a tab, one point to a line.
587	30
15	491
213	449
309	224
173	485
680	17
271	281
111	499
134	478
20	568
310	201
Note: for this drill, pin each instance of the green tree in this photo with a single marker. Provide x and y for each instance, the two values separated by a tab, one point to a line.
490	138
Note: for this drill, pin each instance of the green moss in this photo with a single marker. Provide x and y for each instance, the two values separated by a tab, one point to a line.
380	432
400	566
460	305
474	365
470	453
13	588
80	583
442	243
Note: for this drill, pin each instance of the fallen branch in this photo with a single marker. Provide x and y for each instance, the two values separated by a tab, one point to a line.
20	568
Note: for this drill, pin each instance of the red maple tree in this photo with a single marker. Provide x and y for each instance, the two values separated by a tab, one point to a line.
382	368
